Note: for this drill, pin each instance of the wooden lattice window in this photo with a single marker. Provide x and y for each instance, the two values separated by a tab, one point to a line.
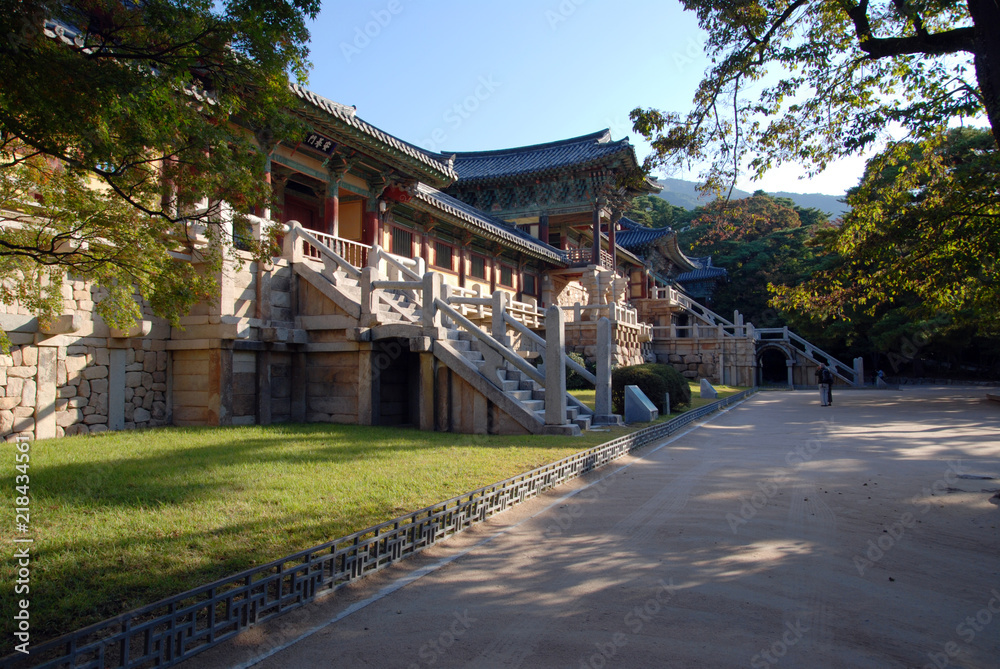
443	255
478	267
530	284
402	242
506	276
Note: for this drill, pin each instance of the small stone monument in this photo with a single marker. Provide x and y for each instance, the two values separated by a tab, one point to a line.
638	408
707	391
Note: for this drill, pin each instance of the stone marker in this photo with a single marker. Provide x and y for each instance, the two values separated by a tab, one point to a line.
666	404
707	391
638	408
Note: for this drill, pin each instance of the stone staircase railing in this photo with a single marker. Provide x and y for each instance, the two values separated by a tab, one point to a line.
852	375
389	291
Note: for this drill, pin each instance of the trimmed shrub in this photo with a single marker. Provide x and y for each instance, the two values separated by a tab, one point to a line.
573	379
654	380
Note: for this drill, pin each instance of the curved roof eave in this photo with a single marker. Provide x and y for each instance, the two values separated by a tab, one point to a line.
435	202
425	164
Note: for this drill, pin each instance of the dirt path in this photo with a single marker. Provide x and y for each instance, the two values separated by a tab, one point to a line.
780	533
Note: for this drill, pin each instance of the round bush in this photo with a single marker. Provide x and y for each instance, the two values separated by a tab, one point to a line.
654	380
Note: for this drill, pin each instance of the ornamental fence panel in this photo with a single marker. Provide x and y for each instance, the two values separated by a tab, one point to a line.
175	629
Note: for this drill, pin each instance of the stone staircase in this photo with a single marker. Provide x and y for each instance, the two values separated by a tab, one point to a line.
341	283
514	384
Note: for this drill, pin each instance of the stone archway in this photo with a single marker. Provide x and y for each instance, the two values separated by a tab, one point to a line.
774	365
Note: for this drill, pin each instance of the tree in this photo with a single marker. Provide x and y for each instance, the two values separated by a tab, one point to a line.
836	75
122	124
655	212
922	237
760	240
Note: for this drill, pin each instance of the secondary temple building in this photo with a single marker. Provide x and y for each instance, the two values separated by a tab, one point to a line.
413	288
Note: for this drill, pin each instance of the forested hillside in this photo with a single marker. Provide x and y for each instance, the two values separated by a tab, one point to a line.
769	244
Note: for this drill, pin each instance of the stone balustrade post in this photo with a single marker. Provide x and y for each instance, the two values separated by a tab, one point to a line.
291	246
499	330
369	300
555	368
432	291
602	406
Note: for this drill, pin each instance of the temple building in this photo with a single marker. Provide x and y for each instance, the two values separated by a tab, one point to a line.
413	288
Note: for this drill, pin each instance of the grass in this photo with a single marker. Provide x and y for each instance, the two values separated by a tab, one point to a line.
124	519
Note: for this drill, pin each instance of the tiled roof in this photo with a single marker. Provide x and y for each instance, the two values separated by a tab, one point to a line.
348	116
482	165
702	275
488	226
635	237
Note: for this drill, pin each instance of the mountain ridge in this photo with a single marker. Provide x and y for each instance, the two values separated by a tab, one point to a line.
683	193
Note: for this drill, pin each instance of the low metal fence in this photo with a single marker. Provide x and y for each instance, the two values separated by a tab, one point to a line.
177	628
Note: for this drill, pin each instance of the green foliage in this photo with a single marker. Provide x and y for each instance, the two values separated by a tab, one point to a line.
922	238
574	381
760	240
90	234
655	212
654	380
154	105
828	78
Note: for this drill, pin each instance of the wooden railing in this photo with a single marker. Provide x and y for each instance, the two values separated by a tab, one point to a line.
353	252
577	257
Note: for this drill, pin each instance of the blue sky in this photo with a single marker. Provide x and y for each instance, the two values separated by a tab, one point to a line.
450	75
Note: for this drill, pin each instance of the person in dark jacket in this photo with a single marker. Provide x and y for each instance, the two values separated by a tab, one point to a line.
824	377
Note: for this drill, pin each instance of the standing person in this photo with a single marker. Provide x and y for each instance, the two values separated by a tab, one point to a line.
824	386
828	381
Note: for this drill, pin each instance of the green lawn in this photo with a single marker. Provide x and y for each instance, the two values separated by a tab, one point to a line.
124	519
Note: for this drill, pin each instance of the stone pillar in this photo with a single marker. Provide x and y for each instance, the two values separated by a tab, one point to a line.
859	372
116	389
298	384
602	406
367	381
791	380
425	398
45	393
264	387
220	394
555	369
499	329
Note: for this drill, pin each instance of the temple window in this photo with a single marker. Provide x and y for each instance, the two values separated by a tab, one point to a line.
443	254
402	242
530	284
506	276
477	267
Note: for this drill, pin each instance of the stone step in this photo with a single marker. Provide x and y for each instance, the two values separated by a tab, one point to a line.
474	356
583	422
460	345
537	406
520	395
510	385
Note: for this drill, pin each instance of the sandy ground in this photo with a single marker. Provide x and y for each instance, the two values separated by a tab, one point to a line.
779	533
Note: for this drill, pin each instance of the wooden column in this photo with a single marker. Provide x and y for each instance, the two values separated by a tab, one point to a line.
331	209
543	228
595	251
612	226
